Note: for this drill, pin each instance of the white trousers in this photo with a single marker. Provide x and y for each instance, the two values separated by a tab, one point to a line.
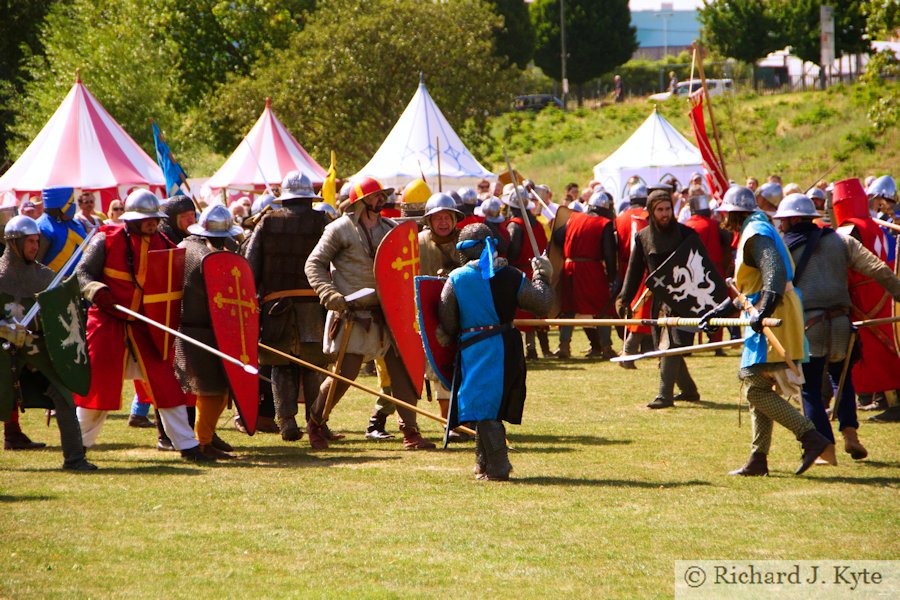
174	421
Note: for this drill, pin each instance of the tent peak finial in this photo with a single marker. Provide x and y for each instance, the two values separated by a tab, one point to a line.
78	75
268	102
421	78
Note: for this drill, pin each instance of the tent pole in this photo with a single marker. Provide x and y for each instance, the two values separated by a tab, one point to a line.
440	186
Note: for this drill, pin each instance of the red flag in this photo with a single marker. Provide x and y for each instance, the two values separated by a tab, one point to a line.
716	179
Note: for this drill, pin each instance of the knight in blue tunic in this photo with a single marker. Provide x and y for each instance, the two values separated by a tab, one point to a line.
61	233
478	303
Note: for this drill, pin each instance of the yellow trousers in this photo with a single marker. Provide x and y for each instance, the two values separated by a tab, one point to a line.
209	409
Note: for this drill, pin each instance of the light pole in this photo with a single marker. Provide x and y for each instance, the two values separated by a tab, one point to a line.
665	13
562	51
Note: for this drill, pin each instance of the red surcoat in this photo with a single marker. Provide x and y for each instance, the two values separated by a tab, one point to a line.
108	337
523	261
878	369
584	284
469	220
708	230
627	225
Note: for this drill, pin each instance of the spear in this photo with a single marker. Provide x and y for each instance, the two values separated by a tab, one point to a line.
663	322
677	351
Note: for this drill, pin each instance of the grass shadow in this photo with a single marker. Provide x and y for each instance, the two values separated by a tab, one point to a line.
732	406
580	440
878	464
617	483
558	365
885	482
143	469
10	499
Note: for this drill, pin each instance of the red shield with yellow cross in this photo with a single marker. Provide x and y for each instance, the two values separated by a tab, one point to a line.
162	295
234	313
396	267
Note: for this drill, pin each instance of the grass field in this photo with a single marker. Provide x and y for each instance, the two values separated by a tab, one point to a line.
607	495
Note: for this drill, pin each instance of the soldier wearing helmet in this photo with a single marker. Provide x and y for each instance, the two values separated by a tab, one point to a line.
492	215
478	303
588	282
468	203
61	233
180	214
341	264
520	251
291	318
21	277
764	270
768	196
882	194
198	371
823	259
114	271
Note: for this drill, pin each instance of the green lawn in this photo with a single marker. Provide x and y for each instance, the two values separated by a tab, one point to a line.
607	495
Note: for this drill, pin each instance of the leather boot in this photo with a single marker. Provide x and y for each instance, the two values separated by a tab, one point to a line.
852	445
544	342
79	465
214	453
140	421
413	440
891	415
376	429
828	457
196	455
607	352
480	463
290	432
531	353
757	466
266	425
814	444
660	402
15	439
330	435
317	438
496	457
564	350
220	444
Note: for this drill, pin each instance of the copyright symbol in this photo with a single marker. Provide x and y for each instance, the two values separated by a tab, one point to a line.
694	577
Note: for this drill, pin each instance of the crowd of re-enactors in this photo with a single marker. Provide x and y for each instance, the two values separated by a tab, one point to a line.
821	260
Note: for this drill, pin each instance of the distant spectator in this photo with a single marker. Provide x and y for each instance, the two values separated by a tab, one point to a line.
28	209
85	214
571	194
619	89
484	189
775	179
116	208
752	184
673	81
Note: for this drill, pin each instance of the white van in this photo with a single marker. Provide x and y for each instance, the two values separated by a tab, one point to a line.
716	87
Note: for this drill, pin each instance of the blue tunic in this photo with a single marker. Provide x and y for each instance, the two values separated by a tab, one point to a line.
64	238
481	386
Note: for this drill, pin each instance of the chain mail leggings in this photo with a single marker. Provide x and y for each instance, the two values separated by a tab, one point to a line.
766	407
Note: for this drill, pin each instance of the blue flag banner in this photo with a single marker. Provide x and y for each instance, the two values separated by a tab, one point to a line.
171	169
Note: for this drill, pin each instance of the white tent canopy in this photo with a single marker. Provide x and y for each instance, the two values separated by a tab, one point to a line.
265	155
654	151
411	148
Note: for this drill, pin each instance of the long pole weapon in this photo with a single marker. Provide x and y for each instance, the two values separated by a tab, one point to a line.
677	351
843	379
522	206
712	119
770	336
362	387
661	322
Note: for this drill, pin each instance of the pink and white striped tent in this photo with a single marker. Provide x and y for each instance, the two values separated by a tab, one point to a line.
81	146
265	155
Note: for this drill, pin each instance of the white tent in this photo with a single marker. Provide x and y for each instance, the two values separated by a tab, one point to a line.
411	148
654	151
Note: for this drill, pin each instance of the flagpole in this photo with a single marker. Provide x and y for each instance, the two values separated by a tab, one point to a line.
712	120
181	176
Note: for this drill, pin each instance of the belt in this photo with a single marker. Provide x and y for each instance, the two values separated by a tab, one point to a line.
290	294
828	315
482	333
485	328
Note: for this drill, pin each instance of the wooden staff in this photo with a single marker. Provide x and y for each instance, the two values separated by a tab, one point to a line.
770	335
712	119
329	400
662	322
844	369
888	224
362	387
677	351
522	206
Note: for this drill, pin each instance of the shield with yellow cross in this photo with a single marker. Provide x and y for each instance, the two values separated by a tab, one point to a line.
396	267
163	290
234	313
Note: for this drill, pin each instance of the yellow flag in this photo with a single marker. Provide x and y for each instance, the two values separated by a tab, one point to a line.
328	191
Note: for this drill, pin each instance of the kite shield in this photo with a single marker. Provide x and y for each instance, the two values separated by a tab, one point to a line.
428	298
163	290
63	321
234	314
396	266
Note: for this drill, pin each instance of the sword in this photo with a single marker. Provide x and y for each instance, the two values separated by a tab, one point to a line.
525	216
843	380
362	387
677	351
247	368
748	306
76	255
329	400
